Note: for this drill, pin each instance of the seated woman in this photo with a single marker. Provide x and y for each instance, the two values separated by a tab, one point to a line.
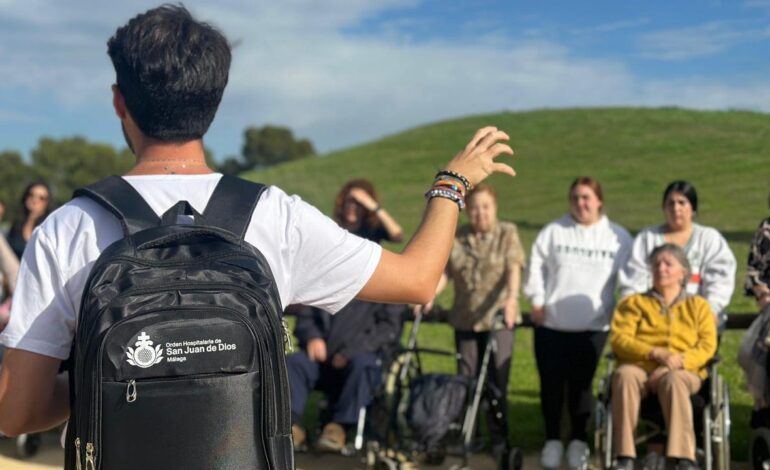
663	340
712	262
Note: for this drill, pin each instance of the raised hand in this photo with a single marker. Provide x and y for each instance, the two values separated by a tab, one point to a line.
477	160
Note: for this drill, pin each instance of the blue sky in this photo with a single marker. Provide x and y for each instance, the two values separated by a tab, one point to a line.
341	72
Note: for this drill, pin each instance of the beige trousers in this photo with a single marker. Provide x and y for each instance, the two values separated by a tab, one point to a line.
631	383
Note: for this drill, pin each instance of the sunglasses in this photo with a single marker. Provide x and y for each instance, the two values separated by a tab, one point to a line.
40	197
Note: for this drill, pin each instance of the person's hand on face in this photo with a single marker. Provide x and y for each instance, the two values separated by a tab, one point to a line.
362	197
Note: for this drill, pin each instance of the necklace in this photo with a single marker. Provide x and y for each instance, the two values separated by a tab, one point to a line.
163	162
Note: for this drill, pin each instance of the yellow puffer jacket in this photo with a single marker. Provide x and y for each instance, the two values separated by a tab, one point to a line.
640	324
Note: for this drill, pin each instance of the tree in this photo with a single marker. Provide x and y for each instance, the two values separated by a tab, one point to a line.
270	145
15	175
69	163
231	166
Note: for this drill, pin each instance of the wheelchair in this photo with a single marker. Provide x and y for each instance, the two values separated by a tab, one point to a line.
711	412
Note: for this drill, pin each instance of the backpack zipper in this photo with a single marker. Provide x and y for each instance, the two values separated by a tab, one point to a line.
90	460
78	465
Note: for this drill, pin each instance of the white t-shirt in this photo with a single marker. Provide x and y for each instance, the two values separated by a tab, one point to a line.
313	260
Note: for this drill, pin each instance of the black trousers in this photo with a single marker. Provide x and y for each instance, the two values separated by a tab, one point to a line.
567	362
471	346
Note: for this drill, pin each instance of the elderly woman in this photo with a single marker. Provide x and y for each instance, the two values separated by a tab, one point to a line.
663	340
485	265
713	265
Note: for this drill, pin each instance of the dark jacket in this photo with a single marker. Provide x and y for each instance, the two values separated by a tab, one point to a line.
359	327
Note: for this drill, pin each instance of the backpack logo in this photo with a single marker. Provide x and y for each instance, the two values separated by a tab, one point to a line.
144	355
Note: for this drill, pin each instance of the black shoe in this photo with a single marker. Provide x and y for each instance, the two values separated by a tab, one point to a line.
624	463
686	464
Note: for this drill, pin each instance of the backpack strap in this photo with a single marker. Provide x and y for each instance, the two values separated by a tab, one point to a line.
120	198
232	204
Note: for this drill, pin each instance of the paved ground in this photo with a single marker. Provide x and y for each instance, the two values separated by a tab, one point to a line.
51	457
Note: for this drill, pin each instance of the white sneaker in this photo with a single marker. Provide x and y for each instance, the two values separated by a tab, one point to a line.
577	455
552	453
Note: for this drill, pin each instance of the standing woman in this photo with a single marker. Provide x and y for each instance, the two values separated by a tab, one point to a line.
35	207
485	265
571	284
711	261
357	208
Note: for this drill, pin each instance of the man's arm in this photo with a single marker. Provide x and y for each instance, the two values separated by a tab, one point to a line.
33	397
412	276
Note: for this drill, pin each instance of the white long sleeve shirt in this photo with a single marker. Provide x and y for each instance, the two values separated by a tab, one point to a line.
711	261
572	273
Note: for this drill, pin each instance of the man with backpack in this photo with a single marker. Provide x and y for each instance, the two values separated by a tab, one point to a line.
256	249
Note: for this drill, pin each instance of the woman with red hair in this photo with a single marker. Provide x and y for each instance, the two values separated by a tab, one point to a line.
357	208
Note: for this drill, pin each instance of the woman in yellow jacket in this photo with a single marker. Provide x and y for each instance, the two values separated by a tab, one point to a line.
663	340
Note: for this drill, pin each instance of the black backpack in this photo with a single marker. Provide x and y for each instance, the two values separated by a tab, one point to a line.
437	404
178	358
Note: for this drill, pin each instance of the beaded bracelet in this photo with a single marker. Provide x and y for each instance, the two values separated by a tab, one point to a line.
453	196
452	184
463	179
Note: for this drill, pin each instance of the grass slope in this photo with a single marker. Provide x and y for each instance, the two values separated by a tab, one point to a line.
633	152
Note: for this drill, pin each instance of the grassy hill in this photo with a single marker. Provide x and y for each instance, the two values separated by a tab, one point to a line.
633	152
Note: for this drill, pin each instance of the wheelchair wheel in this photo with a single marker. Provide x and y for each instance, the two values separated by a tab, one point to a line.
603	436
759	452
721	427
515	459
27	445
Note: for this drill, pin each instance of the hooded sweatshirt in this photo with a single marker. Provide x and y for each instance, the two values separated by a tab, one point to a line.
572	273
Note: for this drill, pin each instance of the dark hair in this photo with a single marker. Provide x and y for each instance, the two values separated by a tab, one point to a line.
481	188
685	189
23	214
371	221
171	71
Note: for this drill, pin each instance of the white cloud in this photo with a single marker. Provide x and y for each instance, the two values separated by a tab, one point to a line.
699	41
295	65
15	116
612	26
757	4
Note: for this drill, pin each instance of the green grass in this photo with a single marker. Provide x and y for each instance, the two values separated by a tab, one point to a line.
633	152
